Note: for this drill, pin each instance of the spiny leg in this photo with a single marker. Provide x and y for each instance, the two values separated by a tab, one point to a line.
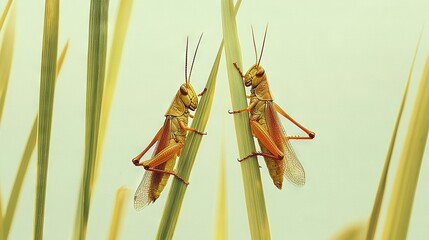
163	156
186	128
239	70
267	141
168	172
250	107
310	134
136	160
202	93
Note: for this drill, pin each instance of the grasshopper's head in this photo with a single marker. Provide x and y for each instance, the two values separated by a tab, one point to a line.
186	91
254	76
188	96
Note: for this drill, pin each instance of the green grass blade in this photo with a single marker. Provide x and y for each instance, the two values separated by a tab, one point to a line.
46	102
97	47
401	202
5	12
221	232
187	158
6	58
255	202
121	198
373	221
23	166
121	26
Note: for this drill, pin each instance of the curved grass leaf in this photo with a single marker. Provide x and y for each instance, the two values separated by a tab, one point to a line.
253	190
121	196
221	226
6	58
375	213
46	102
115	56
97	47
23	166
5	12
187	158
404	188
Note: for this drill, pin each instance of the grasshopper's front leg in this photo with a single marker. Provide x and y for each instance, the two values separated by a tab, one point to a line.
250	107
186	128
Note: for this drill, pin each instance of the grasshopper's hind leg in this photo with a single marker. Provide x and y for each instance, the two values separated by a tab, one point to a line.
163	156
266	140
310	134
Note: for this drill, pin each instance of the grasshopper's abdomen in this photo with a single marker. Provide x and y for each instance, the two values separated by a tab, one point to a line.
275	166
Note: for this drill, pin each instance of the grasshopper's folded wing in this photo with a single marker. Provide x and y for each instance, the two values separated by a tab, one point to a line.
293	169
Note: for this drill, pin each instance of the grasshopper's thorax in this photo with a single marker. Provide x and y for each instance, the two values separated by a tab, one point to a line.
185	99
257	78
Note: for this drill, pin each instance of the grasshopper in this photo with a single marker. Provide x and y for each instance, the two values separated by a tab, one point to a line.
275	147
170	140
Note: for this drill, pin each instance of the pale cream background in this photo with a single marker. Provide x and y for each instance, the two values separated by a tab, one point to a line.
339	67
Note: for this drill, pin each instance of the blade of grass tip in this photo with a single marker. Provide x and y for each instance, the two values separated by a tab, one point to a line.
221	211
46	102
187	158
5	12
255	201
115	225
97	47
6	58
355	231
404	188
25	160
373	221
121	26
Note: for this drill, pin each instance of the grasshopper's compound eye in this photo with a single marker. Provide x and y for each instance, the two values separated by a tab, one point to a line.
183	90
260	72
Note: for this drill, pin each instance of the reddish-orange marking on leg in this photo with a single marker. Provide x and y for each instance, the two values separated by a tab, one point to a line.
168	172
311	134
265	139
163	156
186	128
136	160
239	70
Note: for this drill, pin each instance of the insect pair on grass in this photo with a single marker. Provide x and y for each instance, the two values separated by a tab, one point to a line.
278	153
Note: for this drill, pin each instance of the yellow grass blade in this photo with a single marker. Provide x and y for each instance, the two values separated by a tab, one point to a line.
221	232
121	198
121	26
401	202
1	218
4	15
25	160
187	158
373	221
97	47
46	102
355	231
255	202
6	58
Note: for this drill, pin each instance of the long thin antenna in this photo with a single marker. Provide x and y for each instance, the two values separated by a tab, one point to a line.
254	45
263	44
193	59
186	60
